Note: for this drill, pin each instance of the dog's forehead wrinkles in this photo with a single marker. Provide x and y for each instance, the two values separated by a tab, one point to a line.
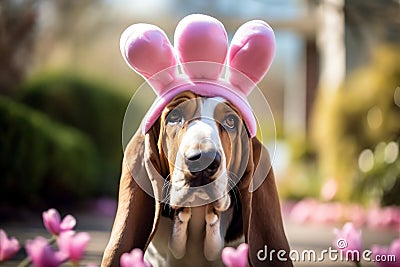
208	117
209	105
204	128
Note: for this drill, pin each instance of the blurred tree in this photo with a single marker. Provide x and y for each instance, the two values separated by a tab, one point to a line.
369	23
21	22
17	33
67	28
68	13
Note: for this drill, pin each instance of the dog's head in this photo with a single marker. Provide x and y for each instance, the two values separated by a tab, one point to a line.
203	112
200	138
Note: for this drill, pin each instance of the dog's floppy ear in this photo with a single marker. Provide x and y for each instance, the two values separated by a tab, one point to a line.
138	208
262	221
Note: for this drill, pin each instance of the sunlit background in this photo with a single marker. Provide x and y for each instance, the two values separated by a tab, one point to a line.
334	89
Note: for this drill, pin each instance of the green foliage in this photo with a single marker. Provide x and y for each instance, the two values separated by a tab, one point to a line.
42	159
359	116
382	179
95	109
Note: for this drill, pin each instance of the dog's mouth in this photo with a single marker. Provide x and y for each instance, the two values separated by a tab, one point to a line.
201	181
201	194
193	197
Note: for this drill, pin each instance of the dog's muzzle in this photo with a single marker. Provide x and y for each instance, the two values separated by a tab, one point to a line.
202	166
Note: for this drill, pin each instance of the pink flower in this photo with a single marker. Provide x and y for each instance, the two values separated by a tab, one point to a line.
384	217
303	210
8	247
348	241
383	253
135	258
326	213
356	214
52	222
73	245
42	254
235	257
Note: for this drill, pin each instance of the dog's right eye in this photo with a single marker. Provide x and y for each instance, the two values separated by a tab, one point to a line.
174	116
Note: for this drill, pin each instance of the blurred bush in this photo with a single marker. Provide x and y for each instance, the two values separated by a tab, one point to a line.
302	179
42	159
356	118
95	109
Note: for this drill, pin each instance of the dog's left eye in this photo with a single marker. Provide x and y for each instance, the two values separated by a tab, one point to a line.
230	122
174	116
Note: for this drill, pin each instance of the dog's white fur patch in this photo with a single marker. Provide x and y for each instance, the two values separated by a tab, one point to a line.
201	134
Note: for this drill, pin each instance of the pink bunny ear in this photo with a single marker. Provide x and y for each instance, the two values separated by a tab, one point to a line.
201	38
251	52
148	51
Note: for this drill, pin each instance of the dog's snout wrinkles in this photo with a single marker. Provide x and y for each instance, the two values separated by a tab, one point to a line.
203	165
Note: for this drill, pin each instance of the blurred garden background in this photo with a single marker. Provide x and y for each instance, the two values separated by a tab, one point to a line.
334	90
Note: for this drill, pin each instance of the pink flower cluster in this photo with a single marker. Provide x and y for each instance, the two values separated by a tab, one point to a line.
41	252
230	256
71	246
314	211
349	239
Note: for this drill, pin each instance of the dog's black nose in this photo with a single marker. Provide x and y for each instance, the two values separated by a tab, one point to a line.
203	165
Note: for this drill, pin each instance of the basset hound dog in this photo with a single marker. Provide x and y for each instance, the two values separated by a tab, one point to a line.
195	177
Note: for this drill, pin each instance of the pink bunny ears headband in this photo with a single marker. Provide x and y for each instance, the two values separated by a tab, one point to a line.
201	48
